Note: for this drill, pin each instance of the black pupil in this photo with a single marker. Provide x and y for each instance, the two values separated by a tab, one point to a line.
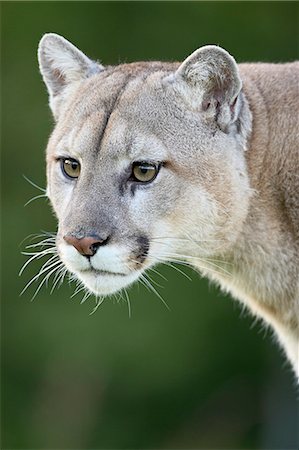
144	169
74	165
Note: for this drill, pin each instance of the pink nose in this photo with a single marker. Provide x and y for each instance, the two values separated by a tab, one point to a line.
86	246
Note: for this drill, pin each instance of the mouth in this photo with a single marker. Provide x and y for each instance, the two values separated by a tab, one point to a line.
103	272
104	282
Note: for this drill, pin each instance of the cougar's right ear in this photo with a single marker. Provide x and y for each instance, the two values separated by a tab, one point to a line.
62	64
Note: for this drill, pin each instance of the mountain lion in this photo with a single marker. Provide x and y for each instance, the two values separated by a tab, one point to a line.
195	162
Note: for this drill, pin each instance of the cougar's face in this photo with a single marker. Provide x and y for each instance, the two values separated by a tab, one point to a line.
137	174
129	181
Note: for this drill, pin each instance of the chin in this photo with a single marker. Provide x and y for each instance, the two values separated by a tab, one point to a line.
106	283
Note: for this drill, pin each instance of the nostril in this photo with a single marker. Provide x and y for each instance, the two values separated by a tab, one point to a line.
99	243
86	246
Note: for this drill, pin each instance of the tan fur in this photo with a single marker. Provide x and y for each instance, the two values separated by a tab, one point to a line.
226	199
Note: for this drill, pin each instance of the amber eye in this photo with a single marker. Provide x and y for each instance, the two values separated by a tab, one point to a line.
70	167
144	172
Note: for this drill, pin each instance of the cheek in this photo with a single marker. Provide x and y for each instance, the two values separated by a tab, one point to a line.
157	201
194	213
60	194
191	228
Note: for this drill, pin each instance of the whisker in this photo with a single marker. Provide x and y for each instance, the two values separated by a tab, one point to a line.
43	243
40	252
128	302
141	280
34	184
35	198
179	270
151	269
197	243
46	269
198	260
58	278
172	238
85	297
46	264
153	281
99	301
78	289
45	247
151	287
45	280
169	264
202	258
35	256
32	236
198	266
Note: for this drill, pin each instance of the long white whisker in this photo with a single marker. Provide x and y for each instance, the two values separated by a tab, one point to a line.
47	263
198	244
198	260
45	280
85	296
202	259
40	253
37	255
151	287
45	247
35	198
58	278
44	243
31	237
143	283
179	270
46	269
187	264
151	269
78	289
169	264
34	184
153	281
128	302
161	239
99	301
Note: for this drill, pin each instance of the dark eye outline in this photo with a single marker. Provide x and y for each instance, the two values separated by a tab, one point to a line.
155	165
71	160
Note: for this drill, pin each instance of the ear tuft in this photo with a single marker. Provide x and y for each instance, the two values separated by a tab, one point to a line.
61	63
210	77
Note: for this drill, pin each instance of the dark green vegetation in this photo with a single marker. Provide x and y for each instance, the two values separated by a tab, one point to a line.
196	377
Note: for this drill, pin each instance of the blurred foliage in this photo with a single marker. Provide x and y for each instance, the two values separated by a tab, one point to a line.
197	377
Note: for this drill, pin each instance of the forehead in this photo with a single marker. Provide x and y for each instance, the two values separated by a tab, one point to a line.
103	105
115	89
121	110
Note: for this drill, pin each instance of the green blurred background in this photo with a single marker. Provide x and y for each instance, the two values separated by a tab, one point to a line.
197	377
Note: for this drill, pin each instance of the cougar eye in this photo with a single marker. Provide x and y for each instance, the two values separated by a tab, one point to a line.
144	172
70	167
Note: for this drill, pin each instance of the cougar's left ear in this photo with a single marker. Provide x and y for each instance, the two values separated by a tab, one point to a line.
61	64
209	79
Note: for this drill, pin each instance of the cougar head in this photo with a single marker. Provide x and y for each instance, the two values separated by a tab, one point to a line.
146	161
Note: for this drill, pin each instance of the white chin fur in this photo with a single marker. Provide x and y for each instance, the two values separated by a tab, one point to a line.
96	281
104	284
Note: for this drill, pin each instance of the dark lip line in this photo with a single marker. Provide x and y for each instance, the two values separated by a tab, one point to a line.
104	272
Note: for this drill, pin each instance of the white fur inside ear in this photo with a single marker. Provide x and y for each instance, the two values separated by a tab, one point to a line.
61	63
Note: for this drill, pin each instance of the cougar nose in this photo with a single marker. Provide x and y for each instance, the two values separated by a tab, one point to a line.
86	246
